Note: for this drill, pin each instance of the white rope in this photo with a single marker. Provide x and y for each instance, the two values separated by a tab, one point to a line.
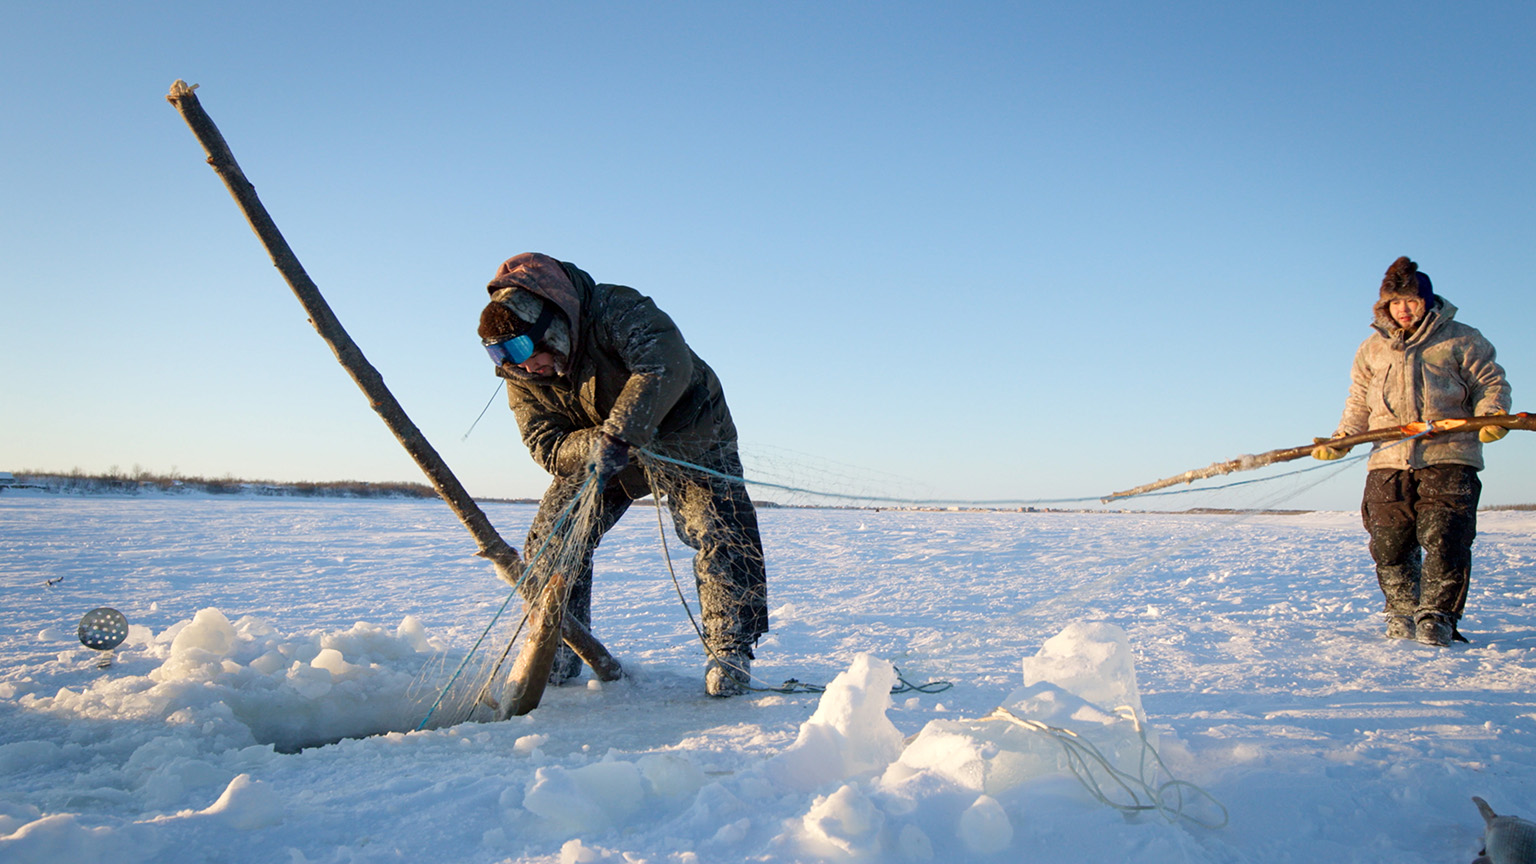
1138	792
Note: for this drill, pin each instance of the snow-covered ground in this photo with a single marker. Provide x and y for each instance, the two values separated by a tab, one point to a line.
263	630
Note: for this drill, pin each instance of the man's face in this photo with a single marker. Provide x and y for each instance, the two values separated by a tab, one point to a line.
542	364
1406	311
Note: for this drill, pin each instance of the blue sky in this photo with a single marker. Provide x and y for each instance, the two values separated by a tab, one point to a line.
976	250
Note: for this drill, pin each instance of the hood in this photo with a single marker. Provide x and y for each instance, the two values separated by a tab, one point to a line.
1440	312
547	278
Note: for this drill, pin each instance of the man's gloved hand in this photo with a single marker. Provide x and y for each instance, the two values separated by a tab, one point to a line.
609	456
1490	434
1324	452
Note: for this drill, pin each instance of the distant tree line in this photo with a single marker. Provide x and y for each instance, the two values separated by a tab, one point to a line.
138	481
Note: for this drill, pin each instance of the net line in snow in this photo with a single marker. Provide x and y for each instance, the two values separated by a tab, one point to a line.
472	687
873	499
851	497
1143	791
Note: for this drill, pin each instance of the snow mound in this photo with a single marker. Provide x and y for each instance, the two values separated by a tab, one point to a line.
1083	663
849	735
247	805
949	793
241	684
1094	661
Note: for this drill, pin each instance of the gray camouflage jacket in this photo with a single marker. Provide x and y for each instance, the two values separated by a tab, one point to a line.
1442	369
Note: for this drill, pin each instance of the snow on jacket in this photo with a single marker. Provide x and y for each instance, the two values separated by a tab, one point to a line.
1442	369
629	373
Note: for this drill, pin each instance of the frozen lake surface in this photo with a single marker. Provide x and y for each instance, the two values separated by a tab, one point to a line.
263	629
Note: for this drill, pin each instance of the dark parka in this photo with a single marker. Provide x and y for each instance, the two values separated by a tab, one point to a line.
629	374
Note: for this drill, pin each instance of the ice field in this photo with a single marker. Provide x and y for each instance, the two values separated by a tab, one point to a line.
282	652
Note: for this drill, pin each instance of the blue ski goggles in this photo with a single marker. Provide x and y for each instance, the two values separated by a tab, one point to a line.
517	349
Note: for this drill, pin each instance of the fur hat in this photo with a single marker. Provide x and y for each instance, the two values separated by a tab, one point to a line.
1403	279
512	312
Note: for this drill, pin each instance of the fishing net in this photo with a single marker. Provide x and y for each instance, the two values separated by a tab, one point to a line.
710	495
711	514
478	687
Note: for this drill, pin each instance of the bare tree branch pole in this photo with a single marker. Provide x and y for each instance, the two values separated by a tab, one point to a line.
492	547
530	672
1394	433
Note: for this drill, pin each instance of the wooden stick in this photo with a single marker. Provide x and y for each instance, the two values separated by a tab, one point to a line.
1394	433
530	672
347	353
492	547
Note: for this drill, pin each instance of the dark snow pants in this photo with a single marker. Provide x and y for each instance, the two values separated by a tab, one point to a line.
713	516
1422	523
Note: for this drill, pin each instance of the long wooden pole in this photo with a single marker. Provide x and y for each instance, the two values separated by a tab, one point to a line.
1394	433
530	673
492	547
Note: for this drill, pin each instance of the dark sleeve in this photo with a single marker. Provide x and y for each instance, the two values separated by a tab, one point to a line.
660	368
553	439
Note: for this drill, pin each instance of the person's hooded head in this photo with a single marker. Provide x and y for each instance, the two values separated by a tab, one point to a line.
532	304
1406	295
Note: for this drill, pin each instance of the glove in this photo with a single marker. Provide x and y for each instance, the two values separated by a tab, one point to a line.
1325	453
609	456
1490	434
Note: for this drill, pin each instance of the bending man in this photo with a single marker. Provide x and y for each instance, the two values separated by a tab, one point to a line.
595	372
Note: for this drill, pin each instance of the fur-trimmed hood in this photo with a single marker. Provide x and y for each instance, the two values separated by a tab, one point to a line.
629	373
564	285
1436	315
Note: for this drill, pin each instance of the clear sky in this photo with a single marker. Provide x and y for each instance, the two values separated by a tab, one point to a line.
1000	250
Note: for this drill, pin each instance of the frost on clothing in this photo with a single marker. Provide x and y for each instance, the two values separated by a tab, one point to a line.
1441	369
1422	525
1421	494
631	375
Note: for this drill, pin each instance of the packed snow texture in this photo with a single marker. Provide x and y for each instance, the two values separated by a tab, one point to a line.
282	653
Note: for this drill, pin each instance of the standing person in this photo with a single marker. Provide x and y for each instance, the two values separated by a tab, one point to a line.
596	372
1420	502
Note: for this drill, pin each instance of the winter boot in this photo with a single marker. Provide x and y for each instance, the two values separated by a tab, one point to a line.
728	673
1434	629
1400	627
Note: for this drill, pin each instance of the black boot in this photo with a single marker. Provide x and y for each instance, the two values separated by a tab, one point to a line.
1432	628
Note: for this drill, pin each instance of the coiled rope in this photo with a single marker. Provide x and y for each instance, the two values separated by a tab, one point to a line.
1088	763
